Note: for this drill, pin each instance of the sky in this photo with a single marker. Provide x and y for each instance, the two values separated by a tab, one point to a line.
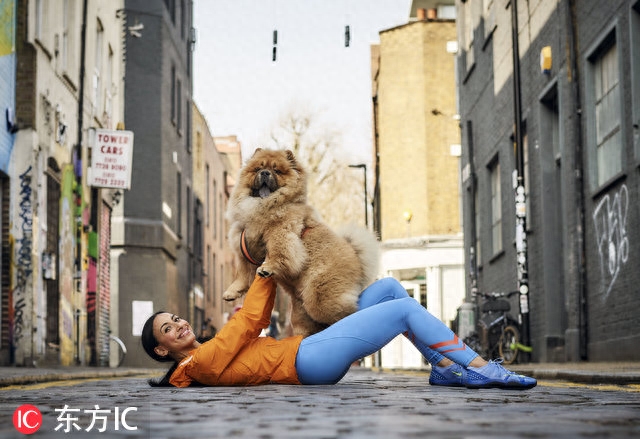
241	91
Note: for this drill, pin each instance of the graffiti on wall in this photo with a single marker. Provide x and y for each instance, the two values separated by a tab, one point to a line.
23	248
66	246
610	219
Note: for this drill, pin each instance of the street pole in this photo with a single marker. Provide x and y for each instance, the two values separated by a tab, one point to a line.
520	194
77	165
366	207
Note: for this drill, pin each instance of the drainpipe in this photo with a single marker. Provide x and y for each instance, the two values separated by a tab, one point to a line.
473	257
574	78
375	202
77	161
520	195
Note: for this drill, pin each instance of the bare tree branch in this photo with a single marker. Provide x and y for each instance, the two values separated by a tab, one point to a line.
334	189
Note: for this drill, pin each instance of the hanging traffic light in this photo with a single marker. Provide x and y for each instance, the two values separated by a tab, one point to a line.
274	50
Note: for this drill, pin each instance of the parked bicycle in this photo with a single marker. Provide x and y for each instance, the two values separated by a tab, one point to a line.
117	345
497	333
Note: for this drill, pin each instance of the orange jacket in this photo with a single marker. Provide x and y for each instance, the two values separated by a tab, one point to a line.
237	355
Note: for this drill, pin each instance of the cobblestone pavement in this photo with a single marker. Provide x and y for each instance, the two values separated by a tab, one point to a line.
365	404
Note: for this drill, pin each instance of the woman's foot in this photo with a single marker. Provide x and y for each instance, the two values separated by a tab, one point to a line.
450	376
491	375
494	375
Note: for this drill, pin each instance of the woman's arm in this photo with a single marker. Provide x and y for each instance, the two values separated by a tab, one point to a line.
212	357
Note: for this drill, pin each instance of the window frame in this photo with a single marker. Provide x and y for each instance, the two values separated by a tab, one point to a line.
495	205
595	53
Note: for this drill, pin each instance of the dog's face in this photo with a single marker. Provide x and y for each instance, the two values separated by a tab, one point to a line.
268	171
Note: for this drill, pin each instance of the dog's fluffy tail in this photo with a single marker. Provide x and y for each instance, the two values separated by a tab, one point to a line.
367	248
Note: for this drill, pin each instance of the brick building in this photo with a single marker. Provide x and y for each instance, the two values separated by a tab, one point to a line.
213	168
156	257
67	79
416	201
563	114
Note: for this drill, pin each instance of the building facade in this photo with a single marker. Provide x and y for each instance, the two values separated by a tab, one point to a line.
212	167
62	75
560	121
155	251
417	197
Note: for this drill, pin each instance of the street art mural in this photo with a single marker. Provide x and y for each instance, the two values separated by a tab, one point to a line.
610	221
23	262
7	81
66	248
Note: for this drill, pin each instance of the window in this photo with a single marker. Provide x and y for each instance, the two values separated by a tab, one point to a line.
171	6
183	19
604	134
466	34
527	173
215	209
197	229
550	124
221	220
97	70
188	127
64	49
488	14
188	209
179	105
173	94
109	87
210	267
478	229
207	190
40	18
496	208
179	203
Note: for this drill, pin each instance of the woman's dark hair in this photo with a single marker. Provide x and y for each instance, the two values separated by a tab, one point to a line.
149	343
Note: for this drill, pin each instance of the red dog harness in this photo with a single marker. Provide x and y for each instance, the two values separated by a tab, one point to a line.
245	250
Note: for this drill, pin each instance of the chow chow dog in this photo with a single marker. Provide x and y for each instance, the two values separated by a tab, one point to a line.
276	233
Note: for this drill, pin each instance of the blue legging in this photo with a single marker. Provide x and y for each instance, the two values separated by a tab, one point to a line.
385	311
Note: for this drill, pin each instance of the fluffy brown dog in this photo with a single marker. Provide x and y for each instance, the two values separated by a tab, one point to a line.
275	231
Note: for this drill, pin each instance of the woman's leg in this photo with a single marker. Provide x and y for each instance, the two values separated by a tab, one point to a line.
387	289
325	357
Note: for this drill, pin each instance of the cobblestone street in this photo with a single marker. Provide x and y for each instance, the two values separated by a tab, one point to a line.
366	404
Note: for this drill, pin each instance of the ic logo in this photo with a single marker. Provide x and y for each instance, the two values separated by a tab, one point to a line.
27	419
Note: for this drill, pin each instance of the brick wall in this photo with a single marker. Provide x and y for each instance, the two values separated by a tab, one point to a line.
416	102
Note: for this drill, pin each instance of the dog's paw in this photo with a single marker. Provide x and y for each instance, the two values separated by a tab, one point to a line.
264	271
231	295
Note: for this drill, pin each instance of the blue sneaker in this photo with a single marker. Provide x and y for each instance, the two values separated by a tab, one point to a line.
494	375
450	376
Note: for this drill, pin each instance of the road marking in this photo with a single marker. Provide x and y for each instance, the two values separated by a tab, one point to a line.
67	383
632	388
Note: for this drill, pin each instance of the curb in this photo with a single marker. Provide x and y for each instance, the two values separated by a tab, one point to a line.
44	377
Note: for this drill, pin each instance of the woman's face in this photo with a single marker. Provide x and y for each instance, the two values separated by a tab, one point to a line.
174	335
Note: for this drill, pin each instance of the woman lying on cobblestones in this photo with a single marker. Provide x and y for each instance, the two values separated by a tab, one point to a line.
237	355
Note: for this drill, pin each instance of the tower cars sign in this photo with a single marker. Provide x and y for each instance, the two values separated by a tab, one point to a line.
111	156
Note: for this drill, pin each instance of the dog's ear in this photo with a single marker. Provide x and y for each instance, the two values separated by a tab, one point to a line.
291	157
257	151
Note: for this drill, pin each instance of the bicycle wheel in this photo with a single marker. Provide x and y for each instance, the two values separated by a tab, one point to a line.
116	345
507	344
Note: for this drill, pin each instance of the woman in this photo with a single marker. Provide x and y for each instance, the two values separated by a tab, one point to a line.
237	355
